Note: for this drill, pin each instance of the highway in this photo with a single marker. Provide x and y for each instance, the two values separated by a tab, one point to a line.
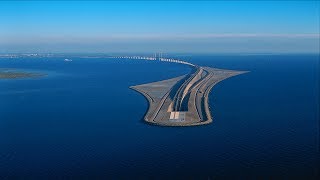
183	101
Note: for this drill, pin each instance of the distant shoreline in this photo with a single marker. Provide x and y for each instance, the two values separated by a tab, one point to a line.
16	74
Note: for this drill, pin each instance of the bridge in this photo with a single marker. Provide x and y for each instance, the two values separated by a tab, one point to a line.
155	57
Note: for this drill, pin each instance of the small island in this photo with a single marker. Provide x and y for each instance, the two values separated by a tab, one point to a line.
15	74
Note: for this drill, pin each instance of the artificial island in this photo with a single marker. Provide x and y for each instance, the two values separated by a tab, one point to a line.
181	101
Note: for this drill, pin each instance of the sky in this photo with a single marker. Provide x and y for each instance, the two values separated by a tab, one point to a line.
160	26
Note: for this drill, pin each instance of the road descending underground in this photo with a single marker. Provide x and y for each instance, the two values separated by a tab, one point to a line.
183	101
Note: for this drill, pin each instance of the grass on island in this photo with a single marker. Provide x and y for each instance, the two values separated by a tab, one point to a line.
14	74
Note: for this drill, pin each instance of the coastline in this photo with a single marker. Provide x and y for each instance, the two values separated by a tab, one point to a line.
8	73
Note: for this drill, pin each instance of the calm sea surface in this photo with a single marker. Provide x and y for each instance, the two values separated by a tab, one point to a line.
83	121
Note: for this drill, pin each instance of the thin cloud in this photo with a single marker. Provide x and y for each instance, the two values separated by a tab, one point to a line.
200	36
142	37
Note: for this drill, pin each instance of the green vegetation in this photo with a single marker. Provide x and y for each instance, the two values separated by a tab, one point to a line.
14	74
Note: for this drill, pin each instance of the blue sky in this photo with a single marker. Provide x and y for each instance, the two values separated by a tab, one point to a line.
142	26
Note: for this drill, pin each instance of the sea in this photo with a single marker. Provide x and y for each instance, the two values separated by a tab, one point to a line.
82	121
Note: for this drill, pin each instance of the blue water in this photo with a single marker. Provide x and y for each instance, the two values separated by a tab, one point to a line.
82	121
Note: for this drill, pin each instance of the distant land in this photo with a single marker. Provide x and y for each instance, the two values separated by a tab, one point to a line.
15	74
